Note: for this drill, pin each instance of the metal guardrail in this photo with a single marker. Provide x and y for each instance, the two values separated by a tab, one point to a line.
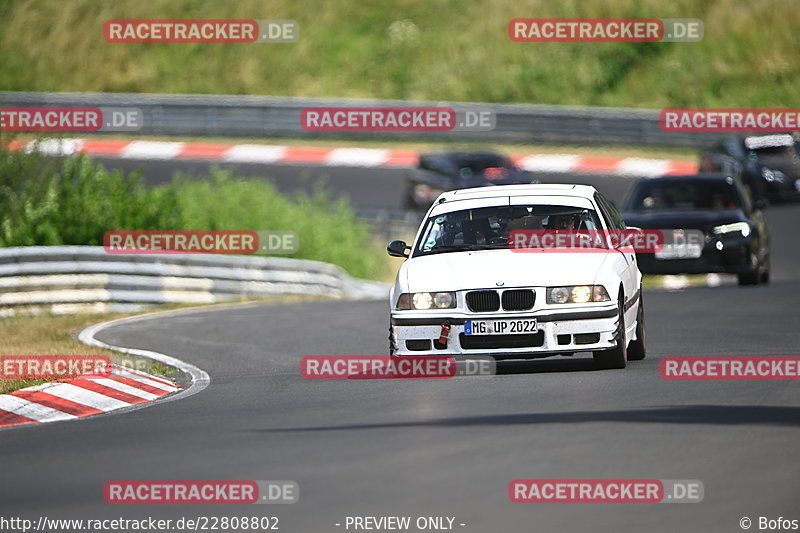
261	116
66	279
390	223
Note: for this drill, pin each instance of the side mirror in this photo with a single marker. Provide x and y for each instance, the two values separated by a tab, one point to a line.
398	249
760	203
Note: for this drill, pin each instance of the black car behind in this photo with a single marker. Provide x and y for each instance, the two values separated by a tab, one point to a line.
445	171
769	164
736	234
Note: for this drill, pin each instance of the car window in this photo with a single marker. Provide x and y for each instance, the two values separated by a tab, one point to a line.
436	164
489	227
685	194
613	218
479	163
775	151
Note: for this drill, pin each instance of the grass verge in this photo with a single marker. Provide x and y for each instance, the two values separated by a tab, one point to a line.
55	335
451	50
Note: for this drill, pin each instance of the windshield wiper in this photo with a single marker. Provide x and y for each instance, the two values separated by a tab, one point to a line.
462	248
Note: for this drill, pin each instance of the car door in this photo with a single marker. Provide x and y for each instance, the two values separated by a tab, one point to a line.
631	277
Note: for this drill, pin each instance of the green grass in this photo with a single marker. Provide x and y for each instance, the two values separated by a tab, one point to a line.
456	50
74	200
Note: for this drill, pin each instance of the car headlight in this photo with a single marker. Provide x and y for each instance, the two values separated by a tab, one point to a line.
444	300
741	227
772	175
577	294
422	300
581	294
426	300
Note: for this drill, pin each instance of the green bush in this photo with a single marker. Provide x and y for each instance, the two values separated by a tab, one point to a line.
74	200
328	230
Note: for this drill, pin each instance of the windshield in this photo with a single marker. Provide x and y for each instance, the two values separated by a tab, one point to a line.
775	151
677	194
479	163
473	163
488	227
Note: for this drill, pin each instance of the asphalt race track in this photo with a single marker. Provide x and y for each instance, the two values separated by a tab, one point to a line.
442	447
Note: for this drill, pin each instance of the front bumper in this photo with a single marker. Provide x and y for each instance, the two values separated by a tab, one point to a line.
558	332
734	257
782	191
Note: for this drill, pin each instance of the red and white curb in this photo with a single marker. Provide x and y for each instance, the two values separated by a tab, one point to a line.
347	157
122	389
86	395
633	167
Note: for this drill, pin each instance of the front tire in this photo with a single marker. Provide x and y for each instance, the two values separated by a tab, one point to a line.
638	350
616	357
765	274
753	277
749	278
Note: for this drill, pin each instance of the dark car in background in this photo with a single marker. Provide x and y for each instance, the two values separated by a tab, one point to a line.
769	164
736	237
438	172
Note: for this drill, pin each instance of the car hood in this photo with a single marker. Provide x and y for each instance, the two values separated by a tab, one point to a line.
702	220
455	271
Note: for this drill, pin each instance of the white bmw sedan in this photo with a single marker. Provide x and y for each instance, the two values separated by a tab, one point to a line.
464	291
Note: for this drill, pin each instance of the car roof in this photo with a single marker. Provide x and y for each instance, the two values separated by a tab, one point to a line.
768	141
527	189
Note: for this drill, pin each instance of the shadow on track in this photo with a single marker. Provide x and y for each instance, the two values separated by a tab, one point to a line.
545	366
688	414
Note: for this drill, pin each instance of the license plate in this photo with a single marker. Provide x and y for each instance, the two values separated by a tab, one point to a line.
500	327
680	251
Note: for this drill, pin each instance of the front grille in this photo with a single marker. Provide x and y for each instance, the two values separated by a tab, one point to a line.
481	342
483	301
518	300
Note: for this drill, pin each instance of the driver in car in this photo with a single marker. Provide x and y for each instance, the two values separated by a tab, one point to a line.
562	222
